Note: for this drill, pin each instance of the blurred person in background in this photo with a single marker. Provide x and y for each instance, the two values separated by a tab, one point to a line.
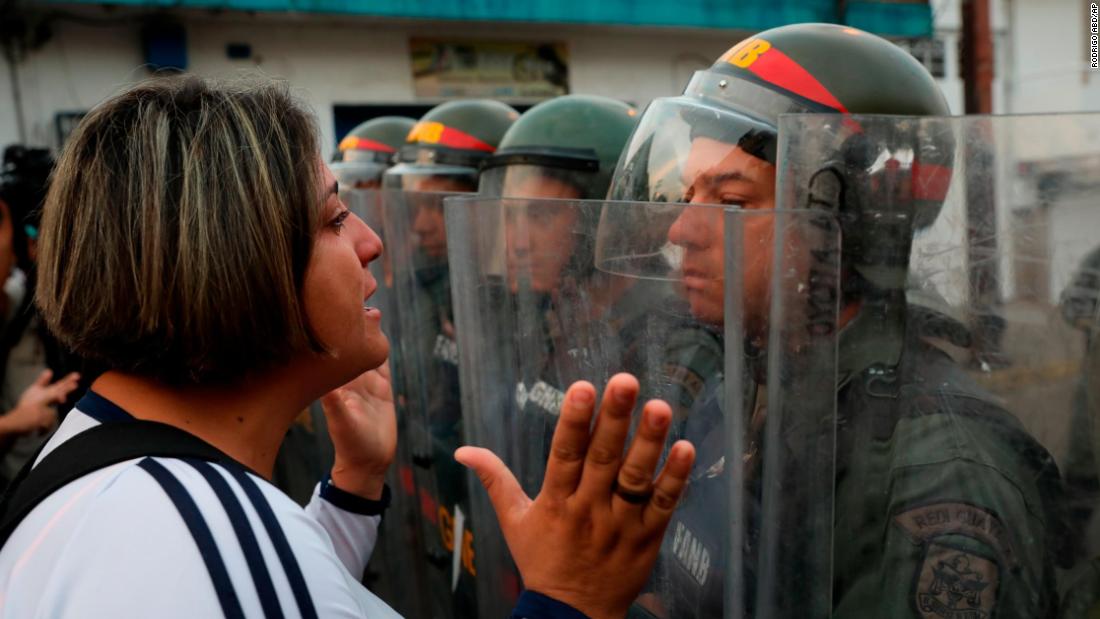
29	356
1080	306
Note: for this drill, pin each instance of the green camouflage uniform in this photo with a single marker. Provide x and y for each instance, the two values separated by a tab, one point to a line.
945	506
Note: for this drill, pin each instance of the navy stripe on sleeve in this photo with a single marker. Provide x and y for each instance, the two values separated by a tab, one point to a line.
534	605
192	517
265	588
278	539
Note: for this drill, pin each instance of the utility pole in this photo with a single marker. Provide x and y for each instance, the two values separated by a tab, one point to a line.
979	156
977	56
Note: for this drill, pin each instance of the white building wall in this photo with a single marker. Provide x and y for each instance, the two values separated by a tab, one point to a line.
1039	60
355	62
1049	50
80	66
1039	56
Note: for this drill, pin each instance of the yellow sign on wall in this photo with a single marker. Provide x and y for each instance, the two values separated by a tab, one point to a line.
498	69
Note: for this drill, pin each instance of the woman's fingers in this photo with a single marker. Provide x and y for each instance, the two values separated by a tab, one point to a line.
508	499
634	484
605	450
570	442
669	486
43	378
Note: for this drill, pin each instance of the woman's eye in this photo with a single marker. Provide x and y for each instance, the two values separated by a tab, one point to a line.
338	221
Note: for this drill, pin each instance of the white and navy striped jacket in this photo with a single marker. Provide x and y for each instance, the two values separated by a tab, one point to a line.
165	538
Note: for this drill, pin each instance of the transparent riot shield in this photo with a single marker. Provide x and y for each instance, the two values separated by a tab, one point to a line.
484	327
425	360
965	481
538	307
397	568
782	297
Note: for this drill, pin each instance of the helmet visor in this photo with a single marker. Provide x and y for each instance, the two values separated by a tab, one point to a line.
537	181
372	156
358	174
421	177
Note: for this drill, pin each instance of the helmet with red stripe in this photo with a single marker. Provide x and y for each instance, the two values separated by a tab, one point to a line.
729	114
443	151
369	149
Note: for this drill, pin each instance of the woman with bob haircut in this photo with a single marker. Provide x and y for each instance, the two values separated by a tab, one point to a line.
193	242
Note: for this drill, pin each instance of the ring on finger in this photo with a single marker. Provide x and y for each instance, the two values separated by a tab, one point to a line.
634	498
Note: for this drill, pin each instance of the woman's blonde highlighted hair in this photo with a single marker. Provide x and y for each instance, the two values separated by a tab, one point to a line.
178	227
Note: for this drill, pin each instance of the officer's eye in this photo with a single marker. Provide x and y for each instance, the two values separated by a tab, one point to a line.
541	214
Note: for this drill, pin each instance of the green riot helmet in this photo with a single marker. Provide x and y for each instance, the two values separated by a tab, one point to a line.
564	148
368	150
444	150
717	144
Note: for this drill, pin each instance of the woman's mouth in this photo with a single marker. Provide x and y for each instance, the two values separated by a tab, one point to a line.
370	309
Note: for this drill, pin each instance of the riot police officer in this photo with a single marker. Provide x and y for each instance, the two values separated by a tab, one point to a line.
944	505
441	156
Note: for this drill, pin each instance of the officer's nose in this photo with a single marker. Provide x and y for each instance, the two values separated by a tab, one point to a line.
518	233
694	227
422	222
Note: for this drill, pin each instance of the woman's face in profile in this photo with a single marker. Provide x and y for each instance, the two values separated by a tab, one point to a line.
338	286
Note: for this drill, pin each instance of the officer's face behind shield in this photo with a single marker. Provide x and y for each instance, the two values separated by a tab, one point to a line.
541	237
429	224
717	172
689	151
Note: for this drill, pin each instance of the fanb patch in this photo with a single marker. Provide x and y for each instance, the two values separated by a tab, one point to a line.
955	584
931	521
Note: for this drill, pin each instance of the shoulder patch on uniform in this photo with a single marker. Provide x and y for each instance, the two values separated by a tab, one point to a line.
930	521
956	584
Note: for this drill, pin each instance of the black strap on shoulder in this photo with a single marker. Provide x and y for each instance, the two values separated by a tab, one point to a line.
94	449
